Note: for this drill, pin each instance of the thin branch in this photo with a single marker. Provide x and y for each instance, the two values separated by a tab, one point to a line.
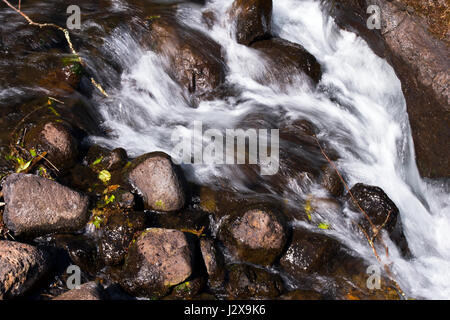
66	35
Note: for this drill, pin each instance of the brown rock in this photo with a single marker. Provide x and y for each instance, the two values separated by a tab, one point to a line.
57	140
286	61
21	266
332	182
257	236
157	261
87	291
196	60
38	206
253	20
154	177
214	262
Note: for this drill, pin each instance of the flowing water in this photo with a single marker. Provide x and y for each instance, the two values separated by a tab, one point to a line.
358	107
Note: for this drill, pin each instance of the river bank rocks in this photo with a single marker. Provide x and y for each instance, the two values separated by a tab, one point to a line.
57	140
38	206
154	177
195	60
214	262
404	39
157	261
286	61
247	282
21	267
257	236
253	20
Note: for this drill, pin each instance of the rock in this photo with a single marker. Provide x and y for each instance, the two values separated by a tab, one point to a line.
99	158
195	59
87	291
332	182
381	210
38	206
157	261
247	282
214	262
286	61
117	234
183	220
154	177
188	289
307	253
302	295
57	140
403	40
257	236
21	267
253	20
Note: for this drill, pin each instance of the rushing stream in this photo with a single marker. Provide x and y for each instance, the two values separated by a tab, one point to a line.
358	108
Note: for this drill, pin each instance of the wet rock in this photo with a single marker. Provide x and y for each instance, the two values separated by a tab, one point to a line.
157	261
247	282
302	295
87	291
21	267
99	158
307	253
154	177
188	289
286	61
257	236
195	60
183	220
57	140
38	206
405	39
332	182
214	262
253	20
117	234
381	210
82	251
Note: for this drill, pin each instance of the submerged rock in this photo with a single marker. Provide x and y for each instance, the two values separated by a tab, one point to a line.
195	59
38	206
253	20
57	140
307	253
21	267
332	182
87	291
257	236
214	262
247	282
117	234
157	261
286	61
155	178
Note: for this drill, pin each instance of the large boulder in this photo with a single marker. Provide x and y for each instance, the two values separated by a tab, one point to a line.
37	206
154	177
21	267
286	61
307	253
253	20
57	140
257	236
157	261
247	282
87	291
420	60
195	60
